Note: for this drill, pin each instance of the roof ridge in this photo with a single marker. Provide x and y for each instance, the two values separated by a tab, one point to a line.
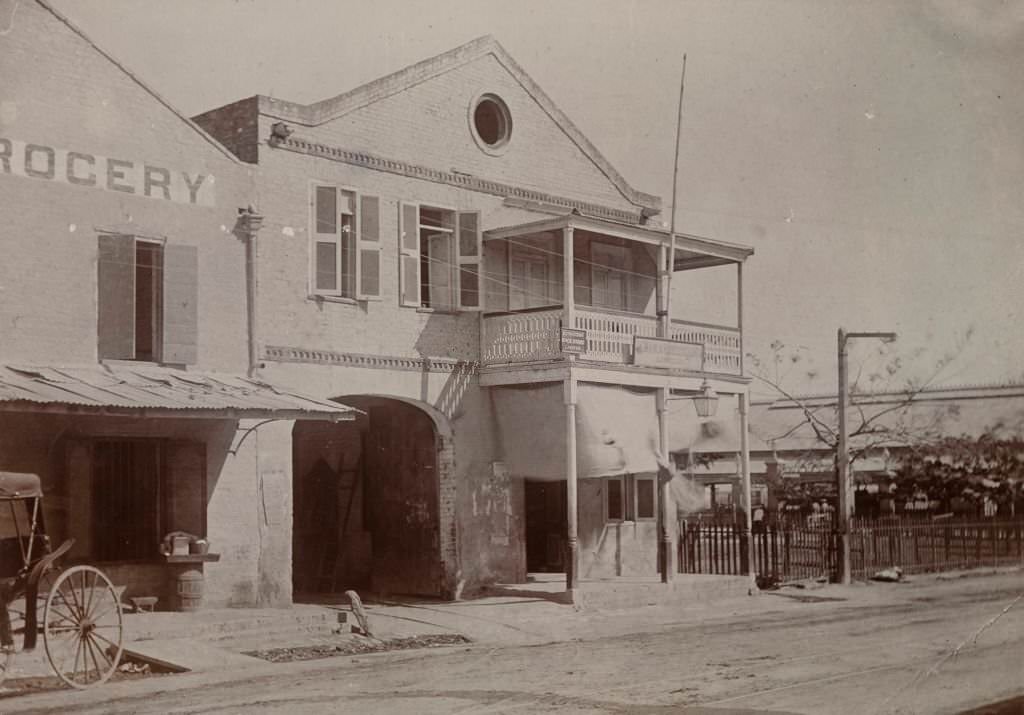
1007	384
45	4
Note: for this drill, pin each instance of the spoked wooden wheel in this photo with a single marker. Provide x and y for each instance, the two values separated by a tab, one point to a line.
82	627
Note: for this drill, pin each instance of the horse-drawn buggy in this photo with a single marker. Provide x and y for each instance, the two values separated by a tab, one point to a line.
80	611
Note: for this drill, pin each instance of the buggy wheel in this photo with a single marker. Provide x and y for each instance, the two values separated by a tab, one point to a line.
82	627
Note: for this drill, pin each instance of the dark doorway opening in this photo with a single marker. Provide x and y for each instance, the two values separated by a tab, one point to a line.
546	526
367	503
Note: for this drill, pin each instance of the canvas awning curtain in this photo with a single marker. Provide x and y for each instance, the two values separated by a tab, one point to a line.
616	430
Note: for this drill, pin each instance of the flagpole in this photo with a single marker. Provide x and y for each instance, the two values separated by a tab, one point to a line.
665	560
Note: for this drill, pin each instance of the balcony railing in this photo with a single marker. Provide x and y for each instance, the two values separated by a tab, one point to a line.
534	336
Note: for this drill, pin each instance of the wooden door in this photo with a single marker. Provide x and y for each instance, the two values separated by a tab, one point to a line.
546	525
528	279
609	276
403	501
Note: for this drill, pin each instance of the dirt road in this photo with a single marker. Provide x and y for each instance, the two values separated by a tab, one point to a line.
828	657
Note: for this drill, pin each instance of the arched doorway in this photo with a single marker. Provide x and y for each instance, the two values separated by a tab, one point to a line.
367	502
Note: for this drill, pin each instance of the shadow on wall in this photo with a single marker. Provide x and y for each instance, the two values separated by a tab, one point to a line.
445	337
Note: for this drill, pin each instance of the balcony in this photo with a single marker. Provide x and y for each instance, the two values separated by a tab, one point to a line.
536	336
604	311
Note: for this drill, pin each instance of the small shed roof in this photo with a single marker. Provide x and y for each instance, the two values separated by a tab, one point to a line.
126	388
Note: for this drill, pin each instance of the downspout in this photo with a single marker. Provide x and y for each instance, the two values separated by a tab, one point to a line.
249	223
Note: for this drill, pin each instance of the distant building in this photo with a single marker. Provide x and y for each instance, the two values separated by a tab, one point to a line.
784	447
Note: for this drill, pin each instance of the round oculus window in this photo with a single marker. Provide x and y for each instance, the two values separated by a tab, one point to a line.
491	122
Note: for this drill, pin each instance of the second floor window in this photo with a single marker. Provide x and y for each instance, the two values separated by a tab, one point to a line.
147	300
440	258
345	255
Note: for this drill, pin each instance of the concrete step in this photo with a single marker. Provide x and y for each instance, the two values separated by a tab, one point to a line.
223	624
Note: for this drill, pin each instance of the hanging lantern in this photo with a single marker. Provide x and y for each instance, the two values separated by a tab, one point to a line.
706	401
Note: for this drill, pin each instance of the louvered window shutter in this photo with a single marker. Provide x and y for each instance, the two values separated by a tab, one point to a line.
470	259
409	254
368	252
116	298
181	304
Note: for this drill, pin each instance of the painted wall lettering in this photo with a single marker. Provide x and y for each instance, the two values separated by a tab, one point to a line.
38	161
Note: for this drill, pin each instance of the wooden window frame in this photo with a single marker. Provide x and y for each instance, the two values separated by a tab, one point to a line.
621	481
411	258
158	517
636	479
173	322
338	239
630	499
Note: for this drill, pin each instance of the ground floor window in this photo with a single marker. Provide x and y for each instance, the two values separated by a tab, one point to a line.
133	493
630	497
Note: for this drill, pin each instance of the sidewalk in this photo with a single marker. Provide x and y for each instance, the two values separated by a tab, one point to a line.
212	641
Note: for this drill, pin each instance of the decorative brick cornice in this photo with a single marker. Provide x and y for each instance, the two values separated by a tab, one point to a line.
463	181
278	353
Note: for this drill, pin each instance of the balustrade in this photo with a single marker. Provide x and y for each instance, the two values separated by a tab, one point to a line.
534	335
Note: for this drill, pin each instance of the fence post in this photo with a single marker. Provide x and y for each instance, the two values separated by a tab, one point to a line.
977	544
744	553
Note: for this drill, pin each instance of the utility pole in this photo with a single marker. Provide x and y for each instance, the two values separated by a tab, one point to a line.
844	485
666	261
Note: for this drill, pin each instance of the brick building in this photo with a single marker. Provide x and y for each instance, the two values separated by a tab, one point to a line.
443	249
124	325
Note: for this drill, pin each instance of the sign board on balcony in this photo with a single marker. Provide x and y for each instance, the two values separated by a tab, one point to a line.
573	340
660	352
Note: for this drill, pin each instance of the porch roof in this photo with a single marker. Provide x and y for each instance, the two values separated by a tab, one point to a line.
690	251
154	391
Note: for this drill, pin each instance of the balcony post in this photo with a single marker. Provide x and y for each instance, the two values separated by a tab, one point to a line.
664	493
739	309
572	538
568	280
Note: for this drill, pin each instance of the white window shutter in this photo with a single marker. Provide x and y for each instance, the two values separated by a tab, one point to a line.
409	254
469	245
368	250
325	249
181	304
116	298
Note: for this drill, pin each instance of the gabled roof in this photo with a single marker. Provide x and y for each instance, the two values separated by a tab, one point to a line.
329	109
134	78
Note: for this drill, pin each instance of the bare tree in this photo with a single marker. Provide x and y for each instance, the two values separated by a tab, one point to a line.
884	390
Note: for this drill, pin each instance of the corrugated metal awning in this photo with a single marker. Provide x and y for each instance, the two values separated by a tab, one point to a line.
150	390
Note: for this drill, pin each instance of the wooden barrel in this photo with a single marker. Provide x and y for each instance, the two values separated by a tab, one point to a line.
189	590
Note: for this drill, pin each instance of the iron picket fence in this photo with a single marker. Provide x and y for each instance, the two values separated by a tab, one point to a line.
782	551
919	546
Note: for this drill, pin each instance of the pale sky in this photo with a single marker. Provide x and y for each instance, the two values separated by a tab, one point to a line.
871	152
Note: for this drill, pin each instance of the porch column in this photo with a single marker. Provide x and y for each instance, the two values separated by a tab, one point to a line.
739	310
572	567
745	477
665	561
568	280
663	299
